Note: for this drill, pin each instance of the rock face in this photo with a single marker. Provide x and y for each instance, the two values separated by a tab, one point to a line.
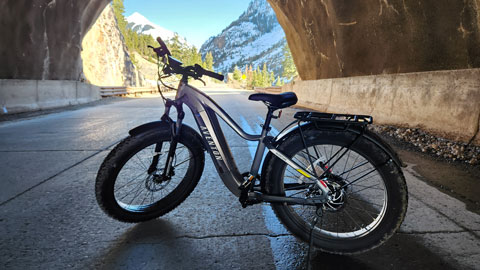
106	61
41	39
147	69
342	38
253	39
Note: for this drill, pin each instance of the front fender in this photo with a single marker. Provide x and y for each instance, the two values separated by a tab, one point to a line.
149	126
157	125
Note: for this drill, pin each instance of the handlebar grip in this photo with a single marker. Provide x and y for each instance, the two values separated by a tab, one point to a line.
214	75
201	71
163	48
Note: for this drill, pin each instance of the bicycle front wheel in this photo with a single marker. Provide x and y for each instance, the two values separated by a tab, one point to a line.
369	201
127	191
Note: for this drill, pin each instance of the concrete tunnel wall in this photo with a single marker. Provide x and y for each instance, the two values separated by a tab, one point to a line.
445	103
344	38
42	39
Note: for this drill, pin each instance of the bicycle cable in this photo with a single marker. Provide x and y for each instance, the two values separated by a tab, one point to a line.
318	214
159	79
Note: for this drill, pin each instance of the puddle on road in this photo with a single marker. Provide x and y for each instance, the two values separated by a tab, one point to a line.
457	180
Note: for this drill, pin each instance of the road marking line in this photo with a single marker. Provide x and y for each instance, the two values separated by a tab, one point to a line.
57	174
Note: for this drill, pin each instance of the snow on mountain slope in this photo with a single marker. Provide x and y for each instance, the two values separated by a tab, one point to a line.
254	38
138	23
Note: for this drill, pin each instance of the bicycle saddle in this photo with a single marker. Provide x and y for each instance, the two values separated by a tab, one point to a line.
277	101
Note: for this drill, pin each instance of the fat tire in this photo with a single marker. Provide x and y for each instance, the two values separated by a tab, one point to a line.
126	149
392	177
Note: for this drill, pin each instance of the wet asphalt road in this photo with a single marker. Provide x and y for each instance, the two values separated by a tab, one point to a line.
49	218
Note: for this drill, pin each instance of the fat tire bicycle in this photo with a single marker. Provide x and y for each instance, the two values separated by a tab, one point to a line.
329	179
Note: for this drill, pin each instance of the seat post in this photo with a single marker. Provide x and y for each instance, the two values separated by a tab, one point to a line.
268	119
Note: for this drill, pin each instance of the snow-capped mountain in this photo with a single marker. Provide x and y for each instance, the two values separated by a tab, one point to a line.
138	23
253	39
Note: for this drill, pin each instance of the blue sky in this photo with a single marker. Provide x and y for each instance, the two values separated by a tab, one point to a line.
196	20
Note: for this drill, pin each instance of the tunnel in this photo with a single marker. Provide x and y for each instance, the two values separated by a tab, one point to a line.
41	39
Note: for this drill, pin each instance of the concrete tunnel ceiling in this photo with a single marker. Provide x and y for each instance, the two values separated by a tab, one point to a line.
41	39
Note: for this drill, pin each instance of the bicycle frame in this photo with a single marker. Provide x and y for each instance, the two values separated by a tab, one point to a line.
205	111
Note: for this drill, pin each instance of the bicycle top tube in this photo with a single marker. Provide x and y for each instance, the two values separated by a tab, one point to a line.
196	100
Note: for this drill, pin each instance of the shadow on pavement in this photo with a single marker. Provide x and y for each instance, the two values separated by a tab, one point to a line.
134	250
155	244
402	251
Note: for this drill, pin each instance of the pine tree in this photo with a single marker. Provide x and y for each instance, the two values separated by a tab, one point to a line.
209	61
197	57
264	77
175	47
279	81
289	68
237	74
253	81
249	75
118	10
271	79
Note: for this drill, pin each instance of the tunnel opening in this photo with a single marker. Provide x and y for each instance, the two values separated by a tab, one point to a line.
328	39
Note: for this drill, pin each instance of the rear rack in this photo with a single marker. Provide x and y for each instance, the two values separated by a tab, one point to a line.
334	117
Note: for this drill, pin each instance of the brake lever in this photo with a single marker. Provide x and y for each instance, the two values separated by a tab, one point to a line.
204	84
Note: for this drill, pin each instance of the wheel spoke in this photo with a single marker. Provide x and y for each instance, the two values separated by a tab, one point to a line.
357	199
351	183
138	187
141	163
345	218
137	192
353	168
178	164
132	181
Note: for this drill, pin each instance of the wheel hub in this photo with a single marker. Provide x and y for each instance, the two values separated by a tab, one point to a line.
337	199
155	182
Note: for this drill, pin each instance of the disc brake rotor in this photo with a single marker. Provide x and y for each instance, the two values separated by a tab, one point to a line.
154	182
338	199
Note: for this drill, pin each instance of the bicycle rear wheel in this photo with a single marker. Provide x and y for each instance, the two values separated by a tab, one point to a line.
370	198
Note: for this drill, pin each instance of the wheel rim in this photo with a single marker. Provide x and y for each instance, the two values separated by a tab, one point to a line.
365	200
137	191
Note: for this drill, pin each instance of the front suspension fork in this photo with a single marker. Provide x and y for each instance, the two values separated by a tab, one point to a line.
175	128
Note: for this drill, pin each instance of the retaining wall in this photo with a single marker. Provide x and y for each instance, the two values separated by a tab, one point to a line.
30	95
445	103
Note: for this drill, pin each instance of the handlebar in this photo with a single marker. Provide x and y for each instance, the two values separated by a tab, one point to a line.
174	66
200	70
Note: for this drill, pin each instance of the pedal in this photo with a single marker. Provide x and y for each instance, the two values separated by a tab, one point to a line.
244	187
245	200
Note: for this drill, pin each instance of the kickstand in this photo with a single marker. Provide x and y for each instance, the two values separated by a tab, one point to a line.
318	214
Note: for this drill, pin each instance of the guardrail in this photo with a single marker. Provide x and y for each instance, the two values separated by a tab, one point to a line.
108	91
271	89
